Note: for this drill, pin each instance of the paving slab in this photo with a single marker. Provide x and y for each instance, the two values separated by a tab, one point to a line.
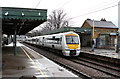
50	66
32	64
103	52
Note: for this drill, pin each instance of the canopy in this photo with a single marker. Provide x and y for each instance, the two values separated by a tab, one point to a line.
21	19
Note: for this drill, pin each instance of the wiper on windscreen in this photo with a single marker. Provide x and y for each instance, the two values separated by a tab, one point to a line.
73	41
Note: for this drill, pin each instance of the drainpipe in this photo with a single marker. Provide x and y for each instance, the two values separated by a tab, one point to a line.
93	32
117	46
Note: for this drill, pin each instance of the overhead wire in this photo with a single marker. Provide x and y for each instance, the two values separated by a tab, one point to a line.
96	11
38	3
60	4
98	7
65	3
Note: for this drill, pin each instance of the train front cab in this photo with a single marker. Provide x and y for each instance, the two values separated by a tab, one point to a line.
72	45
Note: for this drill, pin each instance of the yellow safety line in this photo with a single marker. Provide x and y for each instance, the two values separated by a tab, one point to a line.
33	62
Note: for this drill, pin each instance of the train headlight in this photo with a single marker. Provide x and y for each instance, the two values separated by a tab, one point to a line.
67	49
77	49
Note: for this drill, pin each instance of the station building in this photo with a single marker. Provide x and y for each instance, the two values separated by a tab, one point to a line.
105	33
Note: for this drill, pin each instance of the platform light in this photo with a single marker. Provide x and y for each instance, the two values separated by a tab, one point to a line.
39	13
23	14
82	32
85	30
6	13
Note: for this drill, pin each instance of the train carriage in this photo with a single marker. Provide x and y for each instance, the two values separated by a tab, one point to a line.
68	43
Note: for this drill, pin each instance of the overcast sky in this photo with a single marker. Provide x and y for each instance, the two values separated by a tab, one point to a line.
79	10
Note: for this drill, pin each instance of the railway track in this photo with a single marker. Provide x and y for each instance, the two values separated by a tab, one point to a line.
117	69
76	64
50	56
113	72
77	72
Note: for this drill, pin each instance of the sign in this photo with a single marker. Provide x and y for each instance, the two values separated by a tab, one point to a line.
112	33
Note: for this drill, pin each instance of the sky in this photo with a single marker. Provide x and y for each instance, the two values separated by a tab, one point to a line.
78	10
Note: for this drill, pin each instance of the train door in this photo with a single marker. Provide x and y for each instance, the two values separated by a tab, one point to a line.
43	39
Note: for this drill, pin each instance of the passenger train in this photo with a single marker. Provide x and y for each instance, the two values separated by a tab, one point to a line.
67	43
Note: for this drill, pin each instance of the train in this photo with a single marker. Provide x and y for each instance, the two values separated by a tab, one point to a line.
6	39
67	43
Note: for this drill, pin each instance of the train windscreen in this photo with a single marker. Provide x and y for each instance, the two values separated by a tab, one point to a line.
71	39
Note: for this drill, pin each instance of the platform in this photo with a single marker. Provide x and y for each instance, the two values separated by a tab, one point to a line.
29	63
103	52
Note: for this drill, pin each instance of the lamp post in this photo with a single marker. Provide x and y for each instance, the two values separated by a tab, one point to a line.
119	16
93	28
117	46
93	42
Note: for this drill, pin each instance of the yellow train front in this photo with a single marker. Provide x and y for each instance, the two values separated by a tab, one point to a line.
71	44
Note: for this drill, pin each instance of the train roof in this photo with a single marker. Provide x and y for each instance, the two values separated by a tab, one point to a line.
62	33
56	34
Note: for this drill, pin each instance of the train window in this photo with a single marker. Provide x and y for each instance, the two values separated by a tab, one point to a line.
57	39
33	39
60	38
49	38
36	40
40	40
72	39
53	38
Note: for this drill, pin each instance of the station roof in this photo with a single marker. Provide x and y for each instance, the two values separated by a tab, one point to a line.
102	24
21	19
67	29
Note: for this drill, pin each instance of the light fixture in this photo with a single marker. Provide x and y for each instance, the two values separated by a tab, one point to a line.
85	30
23	14
6	13
39	13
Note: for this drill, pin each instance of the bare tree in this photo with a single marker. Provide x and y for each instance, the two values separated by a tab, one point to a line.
58	19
